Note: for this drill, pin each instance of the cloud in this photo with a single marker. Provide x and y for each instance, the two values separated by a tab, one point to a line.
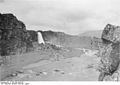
1	1
71	16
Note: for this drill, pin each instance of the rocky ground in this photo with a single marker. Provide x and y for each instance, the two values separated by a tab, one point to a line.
79	68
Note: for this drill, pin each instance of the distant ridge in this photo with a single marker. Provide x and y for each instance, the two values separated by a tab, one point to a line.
66	40
94	33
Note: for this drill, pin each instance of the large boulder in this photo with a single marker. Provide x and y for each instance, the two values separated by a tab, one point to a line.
110	53
111	33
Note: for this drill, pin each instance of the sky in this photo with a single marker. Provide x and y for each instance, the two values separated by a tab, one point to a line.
69	16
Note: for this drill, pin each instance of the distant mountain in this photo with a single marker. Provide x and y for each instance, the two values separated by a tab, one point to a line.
94	33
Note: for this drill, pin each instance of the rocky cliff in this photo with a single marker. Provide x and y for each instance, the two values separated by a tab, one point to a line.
110	53
14	38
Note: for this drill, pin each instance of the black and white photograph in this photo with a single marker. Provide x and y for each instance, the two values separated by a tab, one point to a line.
60	40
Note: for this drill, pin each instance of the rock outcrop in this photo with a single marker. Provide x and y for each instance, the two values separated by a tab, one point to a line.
110	53
33	36
111	33
14	38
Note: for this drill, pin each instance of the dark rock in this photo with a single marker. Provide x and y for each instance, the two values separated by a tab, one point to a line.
111	33
110	51
14	37
9	21
33	35
57	70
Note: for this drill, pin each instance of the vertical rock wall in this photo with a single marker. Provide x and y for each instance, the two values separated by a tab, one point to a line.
14	38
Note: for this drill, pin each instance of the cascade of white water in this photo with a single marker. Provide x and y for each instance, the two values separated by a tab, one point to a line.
40	38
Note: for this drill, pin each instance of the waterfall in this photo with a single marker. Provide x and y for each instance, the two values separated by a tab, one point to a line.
40	38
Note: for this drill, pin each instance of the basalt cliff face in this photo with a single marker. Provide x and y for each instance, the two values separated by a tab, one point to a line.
14	38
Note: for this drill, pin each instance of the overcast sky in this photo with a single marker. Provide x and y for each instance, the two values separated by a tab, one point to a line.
70	16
